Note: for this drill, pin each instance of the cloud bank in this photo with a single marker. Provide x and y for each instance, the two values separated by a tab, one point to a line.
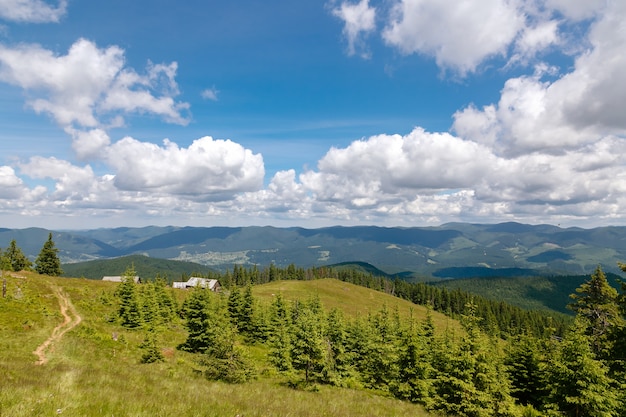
550	149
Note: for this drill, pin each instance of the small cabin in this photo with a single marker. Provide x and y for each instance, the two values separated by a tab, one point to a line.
120	278
210	284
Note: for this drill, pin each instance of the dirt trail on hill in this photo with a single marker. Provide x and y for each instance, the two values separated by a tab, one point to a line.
71	319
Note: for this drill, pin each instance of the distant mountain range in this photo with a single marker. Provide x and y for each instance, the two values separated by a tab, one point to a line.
453	250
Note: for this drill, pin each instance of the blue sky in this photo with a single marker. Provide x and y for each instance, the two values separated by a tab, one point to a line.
315	113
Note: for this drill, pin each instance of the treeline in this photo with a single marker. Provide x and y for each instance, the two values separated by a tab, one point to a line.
468	374
497	318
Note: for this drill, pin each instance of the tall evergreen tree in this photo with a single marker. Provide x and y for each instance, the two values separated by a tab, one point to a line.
470	379
47	262
151	352
247	320
579	383
379	361
524	361
17	260
618	357
308	352
150	311
129	310
414	382
197	314
235	302
340	360
166	302
619	333
215	338
596	301
280	334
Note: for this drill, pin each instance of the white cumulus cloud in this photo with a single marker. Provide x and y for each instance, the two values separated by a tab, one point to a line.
89	144
11	186
573	111
32	11
89	83
207	169
460	34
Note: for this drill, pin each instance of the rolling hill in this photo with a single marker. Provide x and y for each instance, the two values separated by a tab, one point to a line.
95	369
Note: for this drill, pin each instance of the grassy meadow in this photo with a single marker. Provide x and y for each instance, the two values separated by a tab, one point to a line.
351	299
95	370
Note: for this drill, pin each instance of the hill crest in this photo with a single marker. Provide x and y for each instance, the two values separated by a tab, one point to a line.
487	249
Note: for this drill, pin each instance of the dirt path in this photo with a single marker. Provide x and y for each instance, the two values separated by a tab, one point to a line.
71	319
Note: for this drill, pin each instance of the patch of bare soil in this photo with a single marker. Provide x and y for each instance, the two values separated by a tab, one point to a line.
71	319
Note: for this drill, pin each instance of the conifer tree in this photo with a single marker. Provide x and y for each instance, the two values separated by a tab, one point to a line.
235	302
222	360
5	263
129	310
197	315
579	383
16	258
596	301
47	262
280	334
247	319
340	360
150	311
308	352
280	342
524	361
470	380
166	303
379	361
414	382
151	351
618	355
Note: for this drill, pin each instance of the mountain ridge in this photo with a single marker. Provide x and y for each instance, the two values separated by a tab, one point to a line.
434	251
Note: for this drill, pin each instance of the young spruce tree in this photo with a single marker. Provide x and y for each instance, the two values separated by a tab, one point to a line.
16	258
47	262
130	310
308	350
579	383
596	301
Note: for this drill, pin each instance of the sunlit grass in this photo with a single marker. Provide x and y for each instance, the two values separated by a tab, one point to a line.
90	373
352	299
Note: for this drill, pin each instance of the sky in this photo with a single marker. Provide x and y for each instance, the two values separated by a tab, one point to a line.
312	113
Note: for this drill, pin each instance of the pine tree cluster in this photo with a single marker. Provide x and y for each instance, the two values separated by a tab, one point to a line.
472	372
47	262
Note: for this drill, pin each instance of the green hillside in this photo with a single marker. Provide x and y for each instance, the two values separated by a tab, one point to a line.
352	299
312	347
95	369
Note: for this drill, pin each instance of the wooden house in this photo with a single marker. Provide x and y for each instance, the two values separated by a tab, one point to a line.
210	284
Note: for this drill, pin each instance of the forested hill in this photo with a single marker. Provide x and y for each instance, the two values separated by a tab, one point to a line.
309	347
455	250
531	293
